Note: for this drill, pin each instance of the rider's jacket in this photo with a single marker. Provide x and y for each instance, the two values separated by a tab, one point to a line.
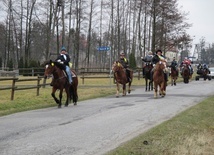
148	58
124	62
64	58
174	63
187	62
158	58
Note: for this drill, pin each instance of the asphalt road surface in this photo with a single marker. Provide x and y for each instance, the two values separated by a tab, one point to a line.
95	126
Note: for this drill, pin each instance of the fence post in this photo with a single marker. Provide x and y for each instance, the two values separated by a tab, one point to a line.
38	85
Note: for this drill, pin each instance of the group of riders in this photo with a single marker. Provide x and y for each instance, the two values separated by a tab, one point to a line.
149	59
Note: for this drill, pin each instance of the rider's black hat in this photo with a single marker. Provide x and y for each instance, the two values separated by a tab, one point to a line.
158	51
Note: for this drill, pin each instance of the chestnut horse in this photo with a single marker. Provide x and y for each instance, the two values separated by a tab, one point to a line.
185	72
174	75
121	77
148	76
60	82
159	79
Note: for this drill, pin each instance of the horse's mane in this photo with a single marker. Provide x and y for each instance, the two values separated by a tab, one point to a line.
59	65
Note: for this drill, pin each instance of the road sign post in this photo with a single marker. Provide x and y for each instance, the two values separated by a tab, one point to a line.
107	48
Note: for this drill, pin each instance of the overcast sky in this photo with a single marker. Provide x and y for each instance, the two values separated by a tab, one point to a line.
201	15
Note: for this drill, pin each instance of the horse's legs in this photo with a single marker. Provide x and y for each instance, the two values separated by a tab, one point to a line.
163	88
53	95
175	81
146	80
129	89
150	85
118	88
155	90
172	81
67	97
124	89
60	98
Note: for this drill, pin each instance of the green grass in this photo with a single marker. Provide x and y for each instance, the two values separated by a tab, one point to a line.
189	133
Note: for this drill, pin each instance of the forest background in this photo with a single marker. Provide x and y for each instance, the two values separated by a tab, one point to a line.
33	31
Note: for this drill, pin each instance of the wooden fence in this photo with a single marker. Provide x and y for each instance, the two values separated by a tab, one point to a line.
88	73
15	80
91	74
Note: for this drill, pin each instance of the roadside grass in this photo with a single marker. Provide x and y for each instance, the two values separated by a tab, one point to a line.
189	133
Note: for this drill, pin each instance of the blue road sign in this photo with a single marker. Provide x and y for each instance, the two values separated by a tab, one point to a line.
103	48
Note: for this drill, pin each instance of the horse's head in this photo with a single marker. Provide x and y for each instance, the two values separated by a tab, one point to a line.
160	65
49	68
116	66
148	67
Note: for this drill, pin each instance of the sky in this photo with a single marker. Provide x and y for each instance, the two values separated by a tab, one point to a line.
201	16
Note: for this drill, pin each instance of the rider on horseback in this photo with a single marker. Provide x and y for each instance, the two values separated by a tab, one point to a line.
125	63
147	60
64	59
159	57
206	67
174	64
187	62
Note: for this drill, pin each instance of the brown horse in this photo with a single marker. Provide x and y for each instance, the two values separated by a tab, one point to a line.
148	76
159	79
121	77
60	82
174	75
185	72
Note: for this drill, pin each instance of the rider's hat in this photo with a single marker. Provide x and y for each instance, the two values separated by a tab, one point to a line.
158	51
63	48
122	53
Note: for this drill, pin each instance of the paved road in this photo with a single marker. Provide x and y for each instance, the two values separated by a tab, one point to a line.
95	126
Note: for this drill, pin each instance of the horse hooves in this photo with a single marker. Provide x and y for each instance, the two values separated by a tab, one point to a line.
59	106
117	96
75	103
66	105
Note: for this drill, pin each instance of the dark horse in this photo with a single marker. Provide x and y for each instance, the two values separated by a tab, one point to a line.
148	76
121	77
203	73
159	79
60	82
186	73
174	75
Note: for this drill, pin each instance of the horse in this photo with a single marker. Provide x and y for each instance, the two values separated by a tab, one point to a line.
60	82
159	79
174	75
148	76
185	72
204	73
120	77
